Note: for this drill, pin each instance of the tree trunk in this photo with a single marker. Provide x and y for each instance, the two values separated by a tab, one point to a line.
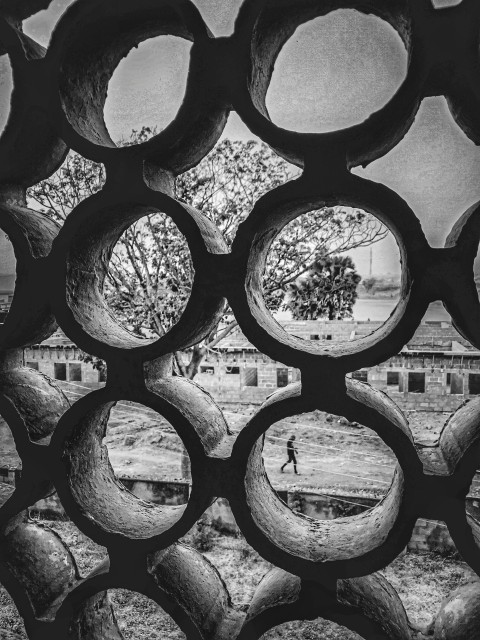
193	366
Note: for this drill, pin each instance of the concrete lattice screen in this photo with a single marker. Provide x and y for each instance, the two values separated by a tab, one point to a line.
323	568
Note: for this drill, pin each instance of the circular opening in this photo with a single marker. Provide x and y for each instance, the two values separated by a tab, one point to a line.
76	180
319	628
335	71
139	617
6	86
147	87
324	453
280	515
144	446
92	52
149	277
10	619
129	506
149	270
336	272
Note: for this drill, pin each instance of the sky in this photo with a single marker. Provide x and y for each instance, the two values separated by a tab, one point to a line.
332	73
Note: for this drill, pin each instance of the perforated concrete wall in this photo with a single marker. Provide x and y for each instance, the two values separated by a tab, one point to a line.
323	568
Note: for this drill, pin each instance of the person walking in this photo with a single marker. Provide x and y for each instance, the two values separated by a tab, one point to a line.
291	452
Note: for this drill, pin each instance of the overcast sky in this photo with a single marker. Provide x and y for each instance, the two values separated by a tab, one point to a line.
332	73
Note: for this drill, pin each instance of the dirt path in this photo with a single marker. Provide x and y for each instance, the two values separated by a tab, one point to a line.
332	454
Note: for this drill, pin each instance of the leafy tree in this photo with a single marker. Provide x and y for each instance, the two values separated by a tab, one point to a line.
327	290
151	272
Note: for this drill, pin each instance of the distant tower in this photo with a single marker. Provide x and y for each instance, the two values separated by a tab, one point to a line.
7	273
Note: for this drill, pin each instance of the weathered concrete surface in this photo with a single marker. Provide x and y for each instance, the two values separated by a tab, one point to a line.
459	616
369	606
58	102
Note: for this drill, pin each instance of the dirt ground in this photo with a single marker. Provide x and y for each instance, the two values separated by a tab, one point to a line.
332	454
422	581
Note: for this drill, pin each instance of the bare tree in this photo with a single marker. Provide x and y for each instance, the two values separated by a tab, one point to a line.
151	272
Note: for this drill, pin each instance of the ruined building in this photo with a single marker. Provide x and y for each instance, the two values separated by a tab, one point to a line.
437	370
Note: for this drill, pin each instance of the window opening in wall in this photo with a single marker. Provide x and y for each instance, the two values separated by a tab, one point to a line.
474	384
60	370
314	336
251	377
209	370
75	372
328	337
282	377
416	382
32	365
393	378
360	375
455	382
232	370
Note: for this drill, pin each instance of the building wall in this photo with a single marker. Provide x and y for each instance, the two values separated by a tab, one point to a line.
439	394
44	358
246	376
